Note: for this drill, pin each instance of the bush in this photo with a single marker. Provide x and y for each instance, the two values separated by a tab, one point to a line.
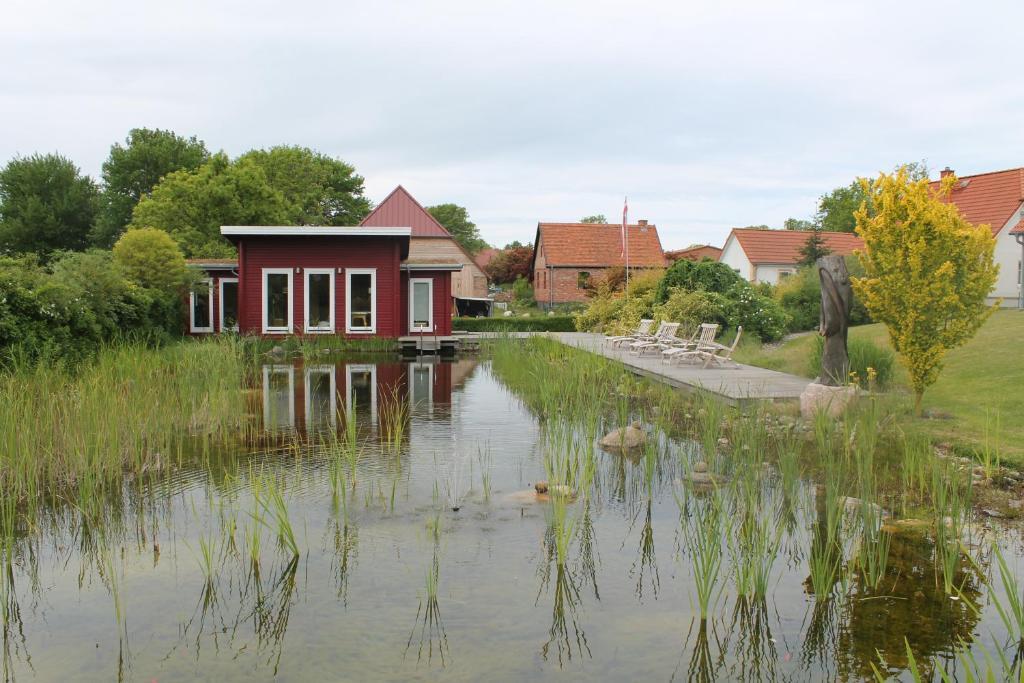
551	323
522	292
151	258
759	315
707	275
800	296
693	308
863	355
611	312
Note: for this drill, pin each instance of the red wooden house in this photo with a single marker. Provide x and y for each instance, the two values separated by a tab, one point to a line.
310	280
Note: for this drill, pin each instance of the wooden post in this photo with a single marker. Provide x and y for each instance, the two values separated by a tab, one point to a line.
836	304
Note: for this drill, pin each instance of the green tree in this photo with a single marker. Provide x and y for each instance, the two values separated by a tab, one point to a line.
134	168
814	248
597	219
192	205
836	209
151	258
46	205
798	224
320	189
927	271
455	219
707	275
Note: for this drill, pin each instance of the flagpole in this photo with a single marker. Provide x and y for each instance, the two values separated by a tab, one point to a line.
625	232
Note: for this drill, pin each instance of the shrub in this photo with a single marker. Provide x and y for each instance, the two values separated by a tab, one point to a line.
611	312
863	355
151	258
800	296
551	323
522	292
708	275
759	315
693	308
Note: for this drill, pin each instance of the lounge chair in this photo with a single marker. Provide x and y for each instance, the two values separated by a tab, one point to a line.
643	330
704	335
666	332
715	353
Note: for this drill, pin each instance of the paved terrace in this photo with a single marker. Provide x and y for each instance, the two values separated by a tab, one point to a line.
735	384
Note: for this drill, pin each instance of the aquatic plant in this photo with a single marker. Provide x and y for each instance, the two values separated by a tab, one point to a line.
394	418
1011	605
703	532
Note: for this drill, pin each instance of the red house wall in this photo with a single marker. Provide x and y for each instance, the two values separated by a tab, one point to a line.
215	276
442	300
257	253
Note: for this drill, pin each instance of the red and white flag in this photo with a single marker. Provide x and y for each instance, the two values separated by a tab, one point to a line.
625	212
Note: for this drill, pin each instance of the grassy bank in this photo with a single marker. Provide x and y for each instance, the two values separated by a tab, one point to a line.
979	388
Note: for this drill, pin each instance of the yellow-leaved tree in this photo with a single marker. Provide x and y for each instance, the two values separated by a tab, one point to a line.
927	271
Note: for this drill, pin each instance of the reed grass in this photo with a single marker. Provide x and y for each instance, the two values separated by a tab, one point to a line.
703	531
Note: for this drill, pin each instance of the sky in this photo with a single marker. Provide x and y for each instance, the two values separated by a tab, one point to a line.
707	115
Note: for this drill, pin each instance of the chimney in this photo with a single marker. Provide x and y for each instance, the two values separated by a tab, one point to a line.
945	172
642	222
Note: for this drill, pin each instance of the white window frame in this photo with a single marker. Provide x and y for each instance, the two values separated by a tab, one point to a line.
305	295
430	393
372	272
220	291
360	368
278	369
291	301
430	304
192	309
331	371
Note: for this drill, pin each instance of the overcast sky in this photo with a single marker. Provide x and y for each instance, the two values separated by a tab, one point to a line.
708	115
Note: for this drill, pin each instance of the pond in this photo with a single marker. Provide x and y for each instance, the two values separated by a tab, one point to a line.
380	523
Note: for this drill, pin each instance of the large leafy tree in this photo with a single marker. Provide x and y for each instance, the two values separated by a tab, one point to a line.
151	258
192	205
509	264
455	219
134	168
927	271
320	190
596	219
707	275
46	205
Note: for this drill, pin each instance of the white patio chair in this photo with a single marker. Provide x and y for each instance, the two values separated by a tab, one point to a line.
714	353
705	335
666	332
642	330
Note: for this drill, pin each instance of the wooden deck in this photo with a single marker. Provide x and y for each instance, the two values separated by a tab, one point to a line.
734	384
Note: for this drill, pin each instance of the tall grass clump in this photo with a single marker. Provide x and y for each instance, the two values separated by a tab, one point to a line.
950	508
131	408
871	365
703	531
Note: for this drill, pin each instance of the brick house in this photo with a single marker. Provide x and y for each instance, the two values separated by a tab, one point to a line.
695	253
566	256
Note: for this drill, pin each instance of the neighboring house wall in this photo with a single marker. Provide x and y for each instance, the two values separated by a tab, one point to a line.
469	282
1008	256
565	284
442	301
734	257
541	291
773	273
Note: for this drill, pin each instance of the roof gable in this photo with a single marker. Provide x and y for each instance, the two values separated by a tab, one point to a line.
783	246
599	245
401	208
988	198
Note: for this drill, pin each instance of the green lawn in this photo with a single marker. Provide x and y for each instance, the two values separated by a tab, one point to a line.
982	382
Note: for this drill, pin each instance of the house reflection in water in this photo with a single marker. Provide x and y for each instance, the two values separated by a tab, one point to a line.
306	399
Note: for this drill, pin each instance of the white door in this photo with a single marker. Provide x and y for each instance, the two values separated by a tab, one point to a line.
421	304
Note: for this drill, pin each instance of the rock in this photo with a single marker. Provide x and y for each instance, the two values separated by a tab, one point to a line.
851	504
1015	504
818	397
541	487
277	351
624	439
550	313
704	478
700	467
508	314
907	525
936	414
723	442
991	513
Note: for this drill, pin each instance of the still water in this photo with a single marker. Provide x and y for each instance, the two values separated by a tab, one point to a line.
160	585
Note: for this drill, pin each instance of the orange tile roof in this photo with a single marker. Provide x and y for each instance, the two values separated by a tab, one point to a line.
598	245
1018	229
697	253
988	198
783	246
484	256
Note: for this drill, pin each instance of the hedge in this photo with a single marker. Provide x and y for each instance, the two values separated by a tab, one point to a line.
551	323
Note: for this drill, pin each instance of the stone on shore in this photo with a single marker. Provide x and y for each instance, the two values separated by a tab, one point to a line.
624	439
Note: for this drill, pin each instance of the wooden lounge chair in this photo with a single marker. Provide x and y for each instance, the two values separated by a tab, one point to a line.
643	337
704	335
666	332
715	353
643	330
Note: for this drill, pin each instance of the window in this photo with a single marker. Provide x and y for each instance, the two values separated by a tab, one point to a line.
421	384
361	300
421	304
229	304
783	274
278	397
200	317
361	390
321	398
582	279
277	299
319	299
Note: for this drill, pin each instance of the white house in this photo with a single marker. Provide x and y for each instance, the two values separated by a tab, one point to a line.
996	199
761	255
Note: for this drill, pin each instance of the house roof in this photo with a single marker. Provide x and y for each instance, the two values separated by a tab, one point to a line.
783	246
988	198
212	263
484	256
401	208
695	253
1018	229
598	245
